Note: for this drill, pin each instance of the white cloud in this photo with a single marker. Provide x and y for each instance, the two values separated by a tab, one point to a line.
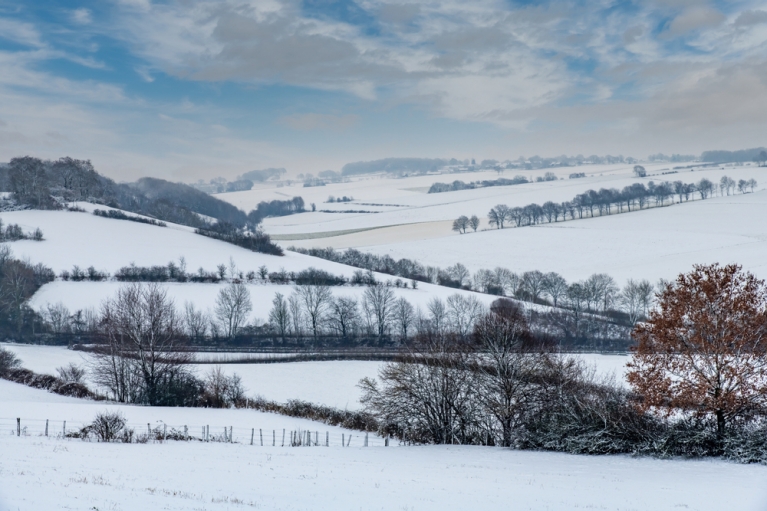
20	32
695	18
82	16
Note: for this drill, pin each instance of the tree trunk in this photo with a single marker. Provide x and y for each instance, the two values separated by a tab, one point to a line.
720	424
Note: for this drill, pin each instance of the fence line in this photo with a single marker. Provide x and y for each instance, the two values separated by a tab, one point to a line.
145	432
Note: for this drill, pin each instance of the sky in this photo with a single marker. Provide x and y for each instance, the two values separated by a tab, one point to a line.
195	89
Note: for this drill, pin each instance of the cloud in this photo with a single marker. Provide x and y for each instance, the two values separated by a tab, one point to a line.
695	18
603	78
314	121
82	16
398	13
750	18
20	32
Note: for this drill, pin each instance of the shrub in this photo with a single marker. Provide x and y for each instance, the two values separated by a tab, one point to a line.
71	373
8	362
108	426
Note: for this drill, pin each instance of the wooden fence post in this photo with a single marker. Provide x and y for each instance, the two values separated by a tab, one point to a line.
283	437
64	429
164	432
366	439
46	427
343	440
231	435
386	441
18	426
261	436
252	434
274	437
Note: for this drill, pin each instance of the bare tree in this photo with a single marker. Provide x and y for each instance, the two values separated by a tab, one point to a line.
296	314
437	314
57	317
555	286
532	283
343	316
507	280
142	332
195	322
232	308
509	364
461	224
315	301
474	222
378	302
462	313
602	291
279	316
499	215
459	273
429	402
404	316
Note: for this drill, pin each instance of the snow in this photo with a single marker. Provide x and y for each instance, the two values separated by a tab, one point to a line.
652	243
422	207
82	239
330	383
53	473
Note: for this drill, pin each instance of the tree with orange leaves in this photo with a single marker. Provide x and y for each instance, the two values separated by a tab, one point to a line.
703	349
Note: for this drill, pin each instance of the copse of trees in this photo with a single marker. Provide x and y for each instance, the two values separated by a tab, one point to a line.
257	240
276	208
460	185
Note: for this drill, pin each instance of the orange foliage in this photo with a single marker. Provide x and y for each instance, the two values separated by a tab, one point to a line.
703	348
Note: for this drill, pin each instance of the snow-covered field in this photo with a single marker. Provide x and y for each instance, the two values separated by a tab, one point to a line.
653	243
52	473
408	206
82	239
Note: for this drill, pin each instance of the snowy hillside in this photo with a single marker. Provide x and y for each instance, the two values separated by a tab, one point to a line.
653	243
52	473
82	239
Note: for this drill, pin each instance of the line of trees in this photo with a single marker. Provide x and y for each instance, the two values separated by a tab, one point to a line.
460	185
594	310
608	201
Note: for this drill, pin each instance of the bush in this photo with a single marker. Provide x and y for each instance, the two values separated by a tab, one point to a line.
108	426
8	362
71	373
315	277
